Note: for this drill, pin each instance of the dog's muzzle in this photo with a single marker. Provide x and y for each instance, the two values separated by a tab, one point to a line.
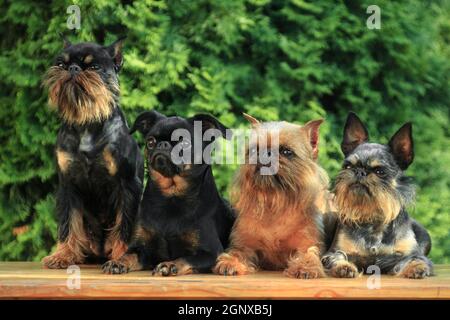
161	162
74	69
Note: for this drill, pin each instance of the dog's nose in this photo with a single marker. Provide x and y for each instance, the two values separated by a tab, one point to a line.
360	173
160	161
74	69
163	145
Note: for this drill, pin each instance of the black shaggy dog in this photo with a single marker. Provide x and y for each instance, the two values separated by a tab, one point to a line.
100	167
183	223
372	194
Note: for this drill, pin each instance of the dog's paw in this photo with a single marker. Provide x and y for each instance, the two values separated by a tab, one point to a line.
228	265
59	261
329	259
114	267
344	269
304	272
172	268
165	269
416	269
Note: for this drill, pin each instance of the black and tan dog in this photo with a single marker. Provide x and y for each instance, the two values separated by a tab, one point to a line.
371	198
100	167
183	223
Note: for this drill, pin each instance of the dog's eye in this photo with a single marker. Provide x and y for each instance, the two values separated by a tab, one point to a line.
286	152
61	64
347	166
379	172
94	67
151	142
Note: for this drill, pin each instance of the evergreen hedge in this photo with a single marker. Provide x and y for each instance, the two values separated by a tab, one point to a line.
292	60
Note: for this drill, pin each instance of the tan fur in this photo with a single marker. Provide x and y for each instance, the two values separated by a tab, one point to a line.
181	265
93	104
383	205
405	245
66	57
325	202
375	163
305	265
253	121
115	247
415	269
191	238
174	186
88	59
123	264
237	261
402	246
143	235
347	245
74	249
353	159
131	262
110	162
64	160
344	269
276	218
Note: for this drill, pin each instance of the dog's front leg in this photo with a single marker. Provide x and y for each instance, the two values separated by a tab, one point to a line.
124	200
413	266
236	261
73	242
202	262
125	203
138	255
337	264
305	265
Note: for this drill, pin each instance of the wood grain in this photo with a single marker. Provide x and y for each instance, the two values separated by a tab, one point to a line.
29	280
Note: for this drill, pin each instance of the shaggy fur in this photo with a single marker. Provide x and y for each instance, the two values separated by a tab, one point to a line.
371	197
82	98
279	225
100	168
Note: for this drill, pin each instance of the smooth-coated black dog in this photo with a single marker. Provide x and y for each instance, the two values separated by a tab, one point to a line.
372	194
183	223
100	167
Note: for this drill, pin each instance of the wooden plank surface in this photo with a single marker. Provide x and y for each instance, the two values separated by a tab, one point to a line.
29	280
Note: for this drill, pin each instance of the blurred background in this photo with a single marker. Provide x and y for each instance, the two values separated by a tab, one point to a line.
292	60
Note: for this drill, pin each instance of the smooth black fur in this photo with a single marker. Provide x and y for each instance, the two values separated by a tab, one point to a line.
376	237
198	210
86	185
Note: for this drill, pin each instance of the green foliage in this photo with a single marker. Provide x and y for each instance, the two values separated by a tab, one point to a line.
292	60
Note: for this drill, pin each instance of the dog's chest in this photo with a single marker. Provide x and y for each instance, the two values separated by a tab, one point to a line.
368	242
172	245
86	145
275	240
86	158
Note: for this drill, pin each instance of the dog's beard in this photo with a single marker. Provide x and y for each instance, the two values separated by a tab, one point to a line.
367	202
297	183
80	99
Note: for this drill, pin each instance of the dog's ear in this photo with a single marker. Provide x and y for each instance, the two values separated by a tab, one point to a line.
145	121
355	133
312	130
115	51
402	146
66	42
253	121
209	122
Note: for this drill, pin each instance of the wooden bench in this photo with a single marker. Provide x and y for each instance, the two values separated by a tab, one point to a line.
29	280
